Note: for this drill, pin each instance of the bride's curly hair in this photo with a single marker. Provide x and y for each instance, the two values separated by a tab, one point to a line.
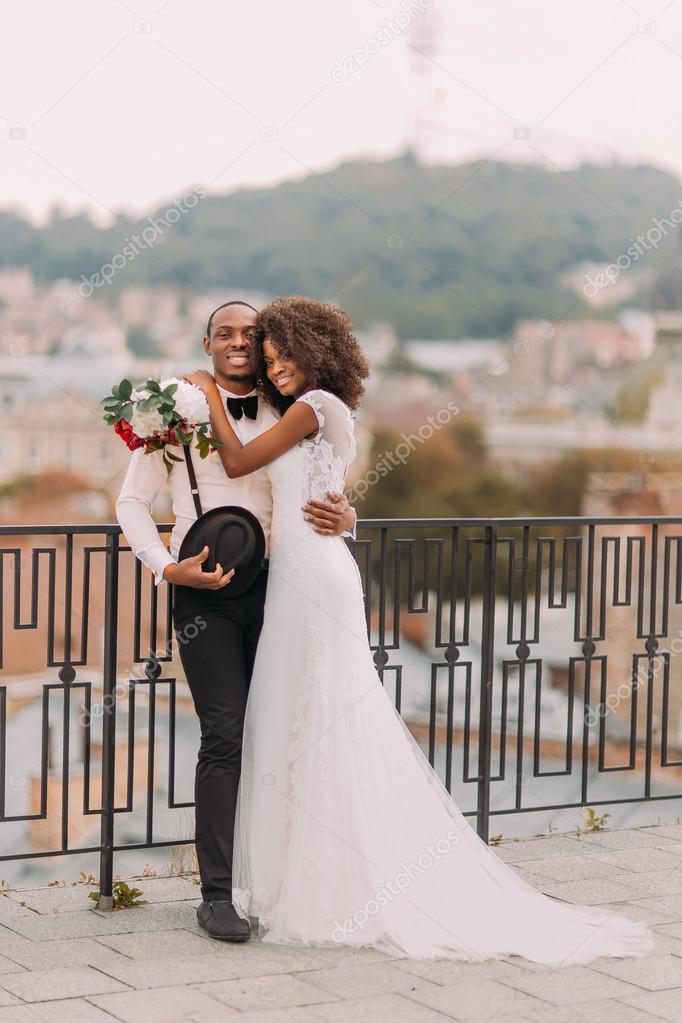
318	337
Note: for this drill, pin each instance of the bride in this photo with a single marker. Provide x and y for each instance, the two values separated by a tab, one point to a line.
344	831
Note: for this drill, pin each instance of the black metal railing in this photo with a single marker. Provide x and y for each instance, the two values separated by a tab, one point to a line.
536	660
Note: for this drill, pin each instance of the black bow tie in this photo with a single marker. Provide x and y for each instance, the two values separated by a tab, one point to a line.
238	407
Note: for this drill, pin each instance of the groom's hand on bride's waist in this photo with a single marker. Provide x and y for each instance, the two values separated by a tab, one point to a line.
332	517
189	572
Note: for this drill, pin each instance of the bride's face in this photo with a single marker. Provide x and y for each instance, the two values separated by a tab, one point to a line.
283	373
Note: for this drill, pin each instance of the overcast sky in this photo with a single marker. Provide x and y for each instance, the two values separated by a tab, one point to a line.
111	104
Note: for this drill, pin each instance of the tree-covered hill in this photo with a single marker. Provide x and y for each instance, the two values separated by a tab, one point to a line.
437	251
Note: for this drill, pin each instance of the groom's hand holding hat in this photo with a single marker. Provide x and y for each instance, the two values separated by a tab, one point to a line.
189	572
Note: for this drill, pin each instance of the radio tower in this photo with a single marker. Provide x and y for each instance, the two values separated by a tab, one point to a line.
424	127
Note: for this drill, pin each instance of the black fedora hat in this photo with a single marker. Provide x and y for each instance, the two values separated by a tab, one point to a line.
234	538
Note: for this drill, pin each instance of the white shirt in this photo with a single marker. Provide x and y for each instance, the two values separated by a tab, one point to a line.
147	474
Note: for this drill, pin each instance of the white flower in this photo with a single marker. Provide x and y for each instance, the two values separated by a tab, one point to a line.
145	424
190	401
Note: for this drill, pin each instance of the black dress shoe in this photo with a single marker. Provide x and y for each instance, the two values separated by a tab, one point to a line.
221	920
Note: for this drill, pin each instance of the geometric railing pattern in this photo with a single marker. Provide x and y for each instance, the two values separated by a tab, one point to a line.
536	660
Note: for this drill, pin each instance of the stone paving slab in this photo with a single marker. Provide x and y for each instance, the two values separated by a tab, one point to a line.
596	1012
251	960
449	971
92	923
673	929
279	990
8	965
478	1000
291	1015
73	1010
605	891
658	1004
644	861
75	898
665	943
170	1005
72	898
393	1008
654	973
316	958
643	911
142	974
583	866
569	985
42	955
61	959
663	882
670	831
670	905
537	848
370	979
11	910
45	985
145	945
529	873
640	838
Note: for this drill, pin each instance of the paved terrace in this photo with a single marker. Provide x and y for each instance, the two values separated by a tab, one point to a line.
61	959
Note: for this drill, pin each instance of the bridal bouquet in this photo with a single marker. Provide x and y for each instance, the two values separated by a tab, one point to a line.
160	413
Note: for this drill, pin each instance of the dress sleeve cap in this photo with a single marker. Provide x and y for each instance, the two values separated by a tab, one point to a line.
313	398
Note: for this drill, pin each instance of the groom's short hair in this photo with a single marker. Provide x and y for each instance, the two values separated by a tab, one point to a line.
224	306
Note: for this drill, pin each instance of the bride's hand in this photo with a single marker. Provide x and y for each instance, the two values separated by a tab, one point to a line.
202	379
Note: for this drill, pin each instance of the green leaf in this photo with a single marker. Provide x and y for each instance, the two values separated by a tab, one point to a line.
153	386
173	457
184	438
125	388
204	445
170	390
166	461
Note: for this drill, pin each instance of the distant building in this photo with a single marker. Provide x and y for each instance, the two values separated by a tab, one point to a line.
65	433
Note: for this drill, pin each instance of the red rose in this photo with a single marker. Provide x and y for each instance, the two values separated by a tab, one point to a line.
125	432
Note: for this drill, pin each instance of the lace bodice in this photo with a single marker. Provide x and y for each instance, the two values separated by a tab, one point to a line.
329	453
311	468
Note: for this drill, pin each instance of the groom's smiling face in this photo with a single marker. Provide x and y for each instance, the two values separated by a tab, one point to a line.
232	345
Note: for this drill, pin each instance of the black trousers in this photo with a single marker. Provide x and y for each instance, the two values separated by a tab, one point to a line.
217	655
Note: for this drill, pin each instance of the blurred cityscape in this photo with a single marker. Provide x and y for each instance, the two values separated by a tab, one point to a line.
594	398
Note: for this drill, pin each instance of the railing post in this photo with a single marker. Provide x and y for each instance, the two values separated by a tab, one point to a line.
487	669
106	862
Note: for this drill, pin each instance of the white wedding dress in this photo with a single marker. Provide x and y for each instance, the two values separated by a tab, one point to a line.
344	831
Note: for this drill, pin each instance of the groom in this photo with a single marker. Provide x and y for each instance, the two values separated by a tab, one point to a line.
219	659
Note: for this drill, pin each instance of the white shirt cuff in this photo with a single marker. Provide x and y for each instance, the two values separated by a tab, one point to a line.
351	532
156	560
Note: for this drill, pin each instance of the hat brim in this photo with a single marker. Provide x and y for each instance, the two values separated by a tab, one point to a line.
246	571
